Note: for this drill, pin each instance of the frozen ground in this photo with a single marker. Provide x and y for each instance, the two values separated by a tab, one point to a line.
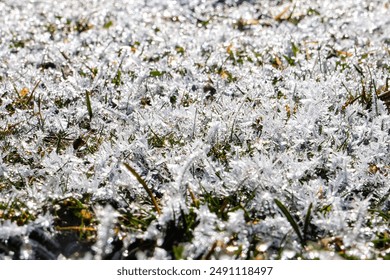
194	129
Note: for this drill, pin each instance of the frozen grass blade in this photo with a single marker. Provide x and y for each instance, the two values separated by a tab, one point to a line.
224	121
290	219
144	185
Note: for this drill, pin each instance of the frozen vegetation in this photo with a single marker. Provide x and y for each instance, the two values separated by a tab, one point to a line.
194	129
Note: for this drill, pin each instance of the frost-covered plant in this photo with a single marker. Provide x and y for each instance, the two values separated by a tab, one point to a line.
194	129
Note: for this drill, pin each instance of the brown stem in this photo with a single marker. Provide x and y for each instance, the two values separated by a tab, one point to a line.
143	183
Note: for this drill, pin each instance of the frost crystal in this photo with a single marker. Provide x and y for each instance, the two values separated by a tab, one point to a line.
222	108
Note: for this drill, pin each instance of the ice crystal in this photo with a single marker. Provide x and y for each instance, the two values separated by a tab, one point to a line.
105	232
220	107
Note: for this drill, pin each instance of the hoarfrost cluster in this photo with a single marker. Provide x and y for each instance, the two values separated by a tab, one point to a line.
194	129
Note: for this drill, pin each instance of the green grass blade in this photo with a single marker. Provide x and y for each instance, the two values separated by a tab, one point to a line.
89	107
290	219
307	221
144	185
